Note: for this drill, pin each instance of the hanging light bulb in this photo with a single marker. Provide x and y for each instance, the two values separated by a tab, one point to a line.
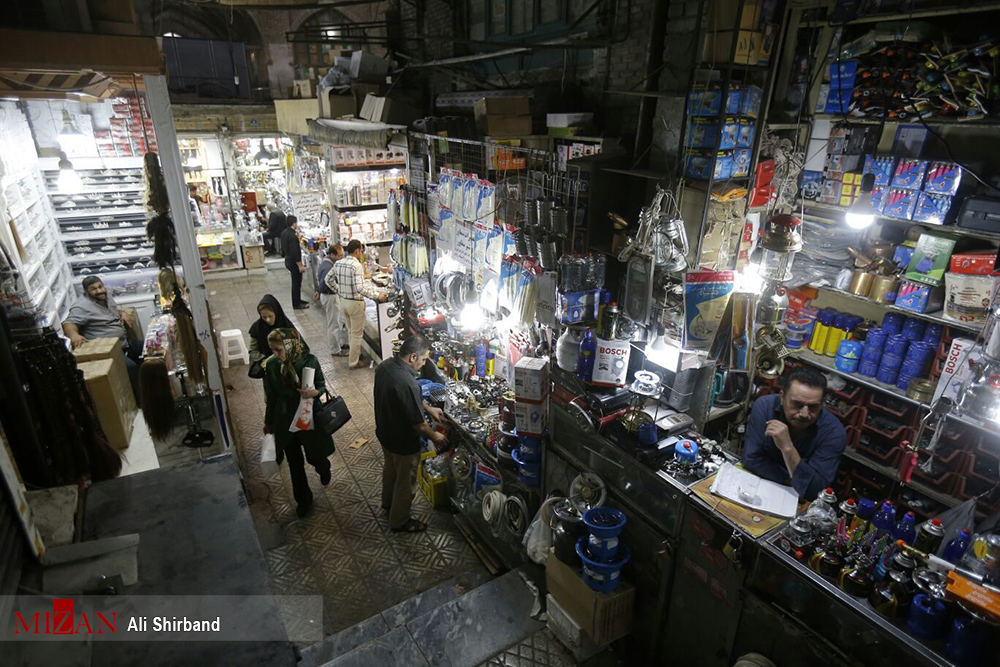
69	182
663	352
860	215
71	140
472	317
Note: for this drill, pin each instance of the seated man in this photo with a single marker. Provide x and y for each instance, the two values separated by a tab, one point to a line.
791	439
96	315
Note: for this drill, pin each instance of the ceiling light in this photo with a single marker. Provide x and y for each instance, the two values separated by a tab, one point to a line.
72	140
69	182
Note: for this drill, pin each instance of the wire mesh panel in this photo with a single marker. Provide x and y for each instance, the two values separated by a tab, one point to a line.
535	195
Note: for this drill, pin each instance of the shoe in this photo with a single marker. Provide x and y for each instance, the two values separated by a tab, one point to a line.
302	509
411	526
304	306
358	365
325	476
342	353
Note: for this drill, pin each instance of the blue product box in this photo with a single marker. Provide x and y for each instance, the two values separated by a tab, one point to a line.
899	203
909	174
744	100
740	159
702	133
838	102
811	184
902	256
883	167
842	74
576	307
943	178
923	299
699	164
746	133
878	200
705	100
931	208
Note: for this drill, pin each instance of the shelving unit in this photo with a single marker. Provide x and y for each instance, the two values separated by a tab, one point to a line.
930	317
351	190
950	230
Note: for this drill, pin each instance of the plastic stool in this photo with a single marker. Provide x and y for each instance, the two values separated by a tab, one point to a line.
233	347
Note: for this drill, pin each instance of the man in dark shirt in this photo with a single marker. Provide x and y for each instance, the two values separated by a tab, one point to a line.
292	250
399	423
791	439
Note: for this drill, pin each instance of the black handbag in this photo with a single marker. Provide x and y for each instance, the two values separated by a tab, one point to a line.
256	370
331	413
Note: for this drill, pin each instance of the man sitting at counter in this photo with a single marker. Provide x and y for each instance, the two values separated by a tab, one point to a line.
791	439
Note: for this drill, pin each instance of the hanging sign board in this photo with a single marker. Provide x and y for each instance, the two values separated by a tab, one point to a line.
307	206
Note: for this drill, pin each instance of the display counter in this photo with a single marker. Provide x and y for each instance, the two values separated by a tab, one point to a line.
218	250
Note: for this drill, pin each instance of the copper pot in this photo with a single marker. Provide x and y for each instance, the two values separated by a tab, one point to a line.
861	282
884	289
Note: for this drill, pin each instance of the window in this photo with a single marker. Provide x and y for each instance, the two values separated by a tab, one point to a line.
509	18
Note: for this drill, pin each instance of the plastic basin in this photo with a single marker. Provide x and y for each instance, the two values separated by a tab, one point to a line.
601	577
604	522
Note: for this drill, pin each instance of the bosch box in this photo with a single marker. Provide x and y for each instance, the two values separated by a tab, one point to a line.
531	379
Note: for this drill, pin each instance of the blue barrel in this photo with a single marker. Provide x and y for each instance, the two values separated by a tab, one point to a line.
876	338
873	354
897	345
892	323
868	368
891	361
920	351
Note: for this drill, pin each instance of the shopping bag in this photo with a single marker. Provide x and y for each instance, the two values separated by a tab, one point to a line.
303	420
268	448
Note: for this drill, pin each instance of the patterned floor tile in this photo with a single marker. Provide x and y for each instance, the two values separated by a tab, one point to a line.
541	649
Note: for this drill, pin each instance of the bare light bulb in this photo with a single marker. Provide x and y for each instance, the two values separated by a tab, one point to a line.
860	215
69	181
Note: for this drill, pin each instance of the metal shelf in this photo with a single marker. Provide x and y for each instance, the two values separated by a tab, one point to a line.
648	174
363	207
110	233
930	317
647	93
715	413
826	364
911	15
931	120
951	230
125	187
892	473
98	213
113	256
367	167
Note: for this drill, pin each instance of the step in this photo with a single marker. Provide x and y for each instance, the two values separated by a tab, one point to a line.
344	642
477	625
394	649
431	599
378	625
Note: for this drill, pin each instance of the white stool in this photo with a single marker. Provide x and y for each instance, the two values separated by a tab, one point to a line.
233	347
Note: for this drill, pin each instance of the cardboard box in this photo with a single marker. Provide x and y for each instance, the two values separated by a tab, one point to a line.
106	349
531	418
332	104
718	45
922	299
294	115
930	259
568	632
568	119
957	368
531	379
113	399
303	88
722	14
503	116
387	110
967	297
979	262
502	106
366	67
604	616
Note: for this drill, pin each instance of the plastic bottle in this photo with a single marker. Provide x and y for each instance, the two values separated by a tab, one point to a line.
885	519
866	510
481	359
837	334
600	269
588	350
821	330
957	547
564	263
490	363
930	536
905	529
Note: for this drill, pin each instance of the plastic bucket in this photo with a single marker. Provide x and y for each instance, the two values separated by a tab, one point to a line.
891	362
893	322
868	368
601	577
887	375
872	354
530	448
845	365
528	471
605	522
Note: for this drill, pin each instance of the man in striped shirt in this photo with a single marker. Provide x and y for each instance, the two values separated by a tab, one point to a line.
353	288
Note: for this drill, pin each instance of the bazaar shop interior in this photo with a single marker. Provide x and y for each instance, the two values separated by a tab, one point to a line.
660	333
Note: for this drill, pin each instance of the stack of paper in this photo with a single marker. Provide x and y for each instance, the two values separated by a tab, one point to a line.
749	490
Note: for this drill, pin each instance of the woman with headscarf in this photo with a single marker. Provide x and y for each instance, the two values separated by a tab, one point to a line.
283	392
271	317
276	223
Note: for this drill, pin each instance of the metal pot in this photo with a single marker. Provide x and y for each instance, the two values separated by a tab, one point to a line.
567	528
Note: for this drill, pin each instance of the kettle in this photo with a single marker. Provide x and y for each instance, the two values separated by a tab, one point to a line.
567	528
734	388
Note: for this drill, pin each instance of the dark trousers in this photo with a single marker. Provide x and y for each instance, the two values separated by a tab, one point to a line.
133	351
271	243
297	455
293	269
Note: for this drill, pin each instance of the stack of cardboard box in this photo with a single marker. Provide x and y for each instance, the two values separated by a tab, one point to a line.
503	116
103	366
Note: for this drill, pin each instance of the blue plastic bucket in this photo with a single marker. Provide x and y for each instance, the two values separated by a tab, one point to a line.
530	448
876	338
845	365
892	323
605	522
868	368
601	577
887	375
872	354
913	329
891	362
529	471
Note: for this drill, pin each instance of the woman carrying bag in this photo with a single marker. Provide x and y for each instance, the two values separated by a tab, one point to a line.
272	317
283	395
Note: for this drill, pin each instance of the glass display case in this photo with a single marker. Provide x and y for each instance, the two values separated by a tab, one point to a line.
359	196
212	205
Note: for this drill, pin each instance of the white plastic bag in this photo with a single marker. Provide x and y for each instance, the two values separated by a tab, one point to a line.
268	448
538	539
303	419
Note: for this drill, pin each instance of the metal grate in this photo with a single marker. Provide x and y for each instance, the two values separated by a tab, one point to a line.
521	175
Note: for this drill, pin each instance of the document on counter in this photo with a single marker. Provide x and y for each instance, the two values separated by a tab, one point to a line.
745	488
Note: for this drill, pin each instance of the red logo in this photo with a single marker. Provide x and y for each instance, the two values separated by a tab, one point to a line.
62	621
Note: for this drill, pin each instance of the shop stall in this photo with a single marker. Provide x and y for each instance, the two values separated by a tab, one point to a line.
217	214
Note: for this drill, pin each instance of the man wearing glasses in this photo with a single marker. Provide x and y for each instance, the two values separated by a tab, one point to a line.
791	439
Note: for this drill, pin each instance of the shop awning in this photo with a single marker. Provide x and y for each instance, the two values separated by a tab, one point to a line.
358	133
77	66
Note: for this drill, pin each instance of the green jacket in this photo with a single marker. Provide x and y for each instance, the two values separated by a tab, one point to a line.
281	403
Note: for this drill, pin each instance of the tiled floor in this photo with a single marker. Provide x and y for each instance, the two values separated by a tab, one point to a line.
343	549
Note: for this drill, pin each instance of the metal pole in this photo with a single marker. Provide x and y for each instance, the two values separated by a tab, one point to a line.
177	193
647	105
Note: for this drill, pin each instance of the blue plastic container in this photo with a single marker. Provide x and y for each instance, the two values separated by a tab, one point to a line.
920	351
913	329
872	354
648	434
530	448
903	381
932	334
887	375
876	338
601	577
868	368
916	369
850	349
928	617
686	451
845	365
892	323
891	361
897	345
605	525
528	471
